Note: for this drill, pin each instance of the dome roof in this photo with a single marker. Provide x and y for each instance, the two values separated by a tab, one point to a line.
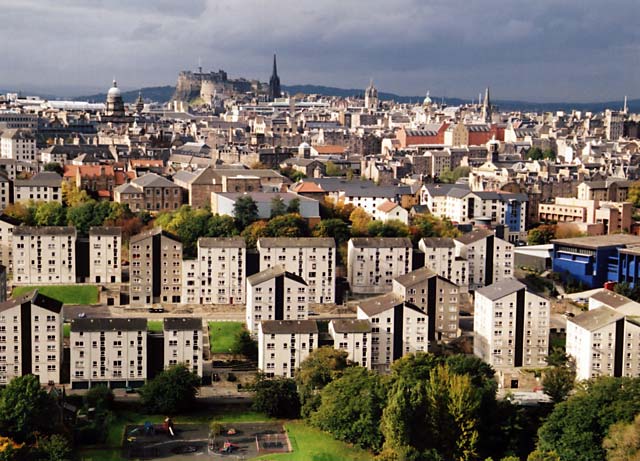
304	145
427	100
114	92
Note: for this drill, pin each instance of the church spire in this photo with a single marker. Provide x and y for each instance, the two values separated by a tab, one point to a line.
274	82
486	107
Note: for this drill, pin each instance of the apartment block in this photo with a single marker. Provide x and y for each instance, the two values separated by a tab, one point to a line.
18	144
7	224
284	344
45	186
183	342
275	294
436	296
398	328
313	259
156	268
105	254
511	326
440	256
44	255
31	338
108	351
217	275
373	263
354	337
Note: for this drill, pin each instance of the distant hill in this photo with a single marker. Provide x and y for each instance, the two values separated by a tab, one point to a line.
163	94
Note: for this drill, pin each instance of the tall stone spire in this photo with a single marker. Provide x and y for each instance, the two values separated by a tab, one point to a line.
274	82
486	107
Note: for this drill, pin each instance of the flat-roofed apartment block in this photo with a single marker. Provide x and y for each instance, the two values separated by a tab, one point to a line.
275	294
398	328
436	296
313	259
440	256
44	255
105	253
31	338
373	262
183	342
217	275
511	326
156	268
284	344
605	341
354	337
108	351
7	224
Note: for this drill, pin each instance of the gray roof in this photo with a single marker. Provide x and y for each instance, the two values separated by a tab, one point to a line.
106	230
417	276
596	318
351	326
289	326
439	190
501	289
222	242
610	298
42	179
378	304
438	242
298	242
109	324
151	233
44	230
599	241
474	236
272	272
182	323
153	180
126	189
36	298
381	242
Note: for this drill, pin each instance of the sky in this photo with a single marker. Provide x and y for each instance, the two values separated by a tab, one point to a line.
535	50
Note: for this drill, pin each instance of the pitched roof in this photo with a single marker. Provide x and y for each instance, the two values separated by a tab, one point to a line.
377	304
44	230
501	289
182	323
297	242
381	242
596	318
42	179
106	230
438	242
387	206
272	272
474	236
289	326
222	242
351	326
109	324
151	233
36	298
153	180
416	276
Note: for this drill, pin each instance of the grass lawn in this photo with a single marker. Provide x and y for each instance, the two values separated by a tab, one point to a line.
68	294
155	326
66	330
222	336
310	444
91	454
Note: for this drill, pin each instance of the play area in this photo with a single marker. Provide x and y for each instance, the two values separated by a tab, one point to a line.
228	441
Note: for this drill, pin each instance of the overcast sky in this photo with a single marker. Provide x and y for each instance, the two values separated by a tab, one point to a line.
536	50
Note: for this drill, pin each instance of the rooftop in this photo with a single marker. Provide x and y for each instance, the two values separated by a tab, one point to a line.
221	242
272	272
182	323
596	318
351	326
109	324
600	241
501	289
381	242
289	326
44	230
298	242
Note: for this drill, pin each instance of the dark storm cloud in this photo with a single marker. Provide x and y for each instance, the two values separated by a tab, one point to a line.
542	50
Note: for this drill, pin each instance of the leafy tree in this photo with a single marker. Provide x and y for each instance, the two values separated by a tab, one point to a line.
25	408
172	391
322	366
245	345
623	441
221	226
558	382
55	167
50	214
538	455
333	170
292	174
335	228
428	225
450	177
99	397
634	194
294	206
54	448
534	153
10	450
72	196
391	228
87	214
360	220
557	357
245	211
576	428
624	289
278	208
351	408
330	209
277	397
549	154
21	212
253	232
288	225
542	234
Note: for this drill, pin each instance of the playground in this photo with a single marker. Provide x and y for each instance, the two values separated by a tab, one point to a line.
178	441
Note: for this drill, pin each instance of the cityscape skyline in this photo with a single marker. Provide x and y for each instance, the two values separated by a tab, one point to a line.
532	52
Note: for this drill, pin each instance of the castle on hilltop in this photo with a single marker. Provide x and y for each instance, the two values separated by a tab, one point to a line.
208	86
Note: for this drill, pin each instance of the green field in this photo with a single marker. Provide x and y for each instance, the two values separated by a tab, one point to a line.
155	326
68	294
66	330
222	336
310	444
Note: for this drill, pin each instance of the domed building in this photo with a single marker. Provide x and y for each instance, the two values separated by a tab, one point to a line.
115	104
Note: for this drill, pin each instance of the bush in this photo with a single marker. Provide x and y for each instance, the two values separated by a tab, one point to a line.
172	391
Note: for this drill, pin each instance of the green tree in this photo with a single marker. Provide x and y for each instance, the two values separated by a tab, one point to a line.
321	366
277	397
253	232
391	228
558	382
72	196
99	397
335	228
221	226
294	206
245	345
538	455
450	177
172	391
623	441
549	154
25	408
55	167
333	170
360	220
54	448
245	211
634	194
351	408
85	215
428	225
278	208
50	214
534	153
541	235
288	225
21	212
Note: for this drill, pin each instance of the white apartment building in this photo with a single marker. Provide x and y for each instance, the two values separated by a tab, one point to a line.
389	210
354	337
275	294
7	224
183	343
284	344
373	262
511	326
217	275
436	296
31	338
45	186
489	258
398	328
108	351
44	255
18	144
605	341
313	259
440	256
6	191
105	254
